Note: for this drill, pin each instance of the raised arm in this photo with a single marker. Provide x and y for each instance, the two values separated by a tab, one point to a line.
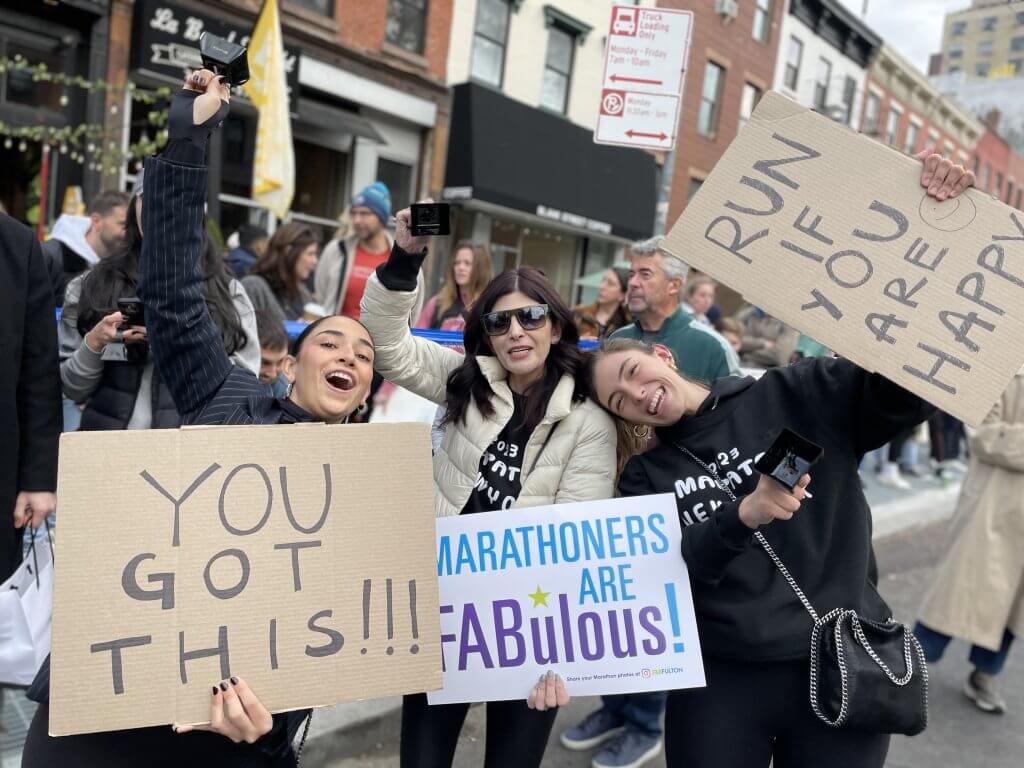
186	343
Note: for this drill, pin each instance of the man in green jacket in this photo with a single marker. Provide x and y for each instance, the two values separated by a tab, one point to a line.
655	287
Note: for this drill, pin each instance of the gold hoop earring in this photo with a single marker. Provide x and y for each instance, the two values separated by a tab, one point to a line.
641	431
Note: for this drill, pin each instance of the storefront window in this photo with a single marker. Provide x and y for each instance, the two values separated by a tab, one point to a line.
398	179
553	253
19	86
505	242
320	179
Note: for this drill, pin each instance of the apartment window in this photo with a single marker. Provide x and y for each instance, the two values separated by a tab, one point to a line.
981	69
962	159
490	36
1017	44
999	184
821	81
751	95
870	122
954	70
1019	205
1009	192
986	177
1018	66
985	48
933	141
554	93
989	23
762	20
977	167
947	150
849	94
695	185
406	24
959	28
711	99
324	7
892	126
793	56
955	52
1020	21
910	142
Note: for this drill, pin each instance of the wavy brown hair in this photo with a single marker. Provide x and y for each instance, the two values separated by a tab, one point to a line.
277	264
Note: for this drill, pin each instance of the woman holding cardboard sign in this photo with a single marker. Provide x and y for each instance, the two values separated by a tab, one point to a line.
330	379
764	556
519	432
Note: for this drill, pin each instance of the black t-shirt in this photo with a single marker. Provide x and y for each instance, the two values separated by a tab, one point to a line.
498	483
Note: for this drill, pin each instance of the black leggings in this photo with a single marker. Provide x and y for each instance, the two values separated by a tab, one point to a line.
751	714
516	734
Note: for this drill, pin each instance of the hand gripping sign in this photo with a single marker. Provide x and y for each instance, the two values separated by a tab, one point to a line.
595	591
832	233
285	554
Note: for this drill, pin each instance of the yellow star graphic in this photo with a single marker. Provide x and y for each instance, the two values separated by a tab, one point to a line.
539	597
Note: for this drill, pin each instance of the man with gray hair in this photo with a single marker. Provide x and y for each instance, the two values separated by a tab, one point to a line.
654	294
629	725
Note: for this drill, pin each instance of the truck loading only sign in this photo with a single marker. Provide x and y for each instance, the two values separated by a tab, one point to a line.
644	66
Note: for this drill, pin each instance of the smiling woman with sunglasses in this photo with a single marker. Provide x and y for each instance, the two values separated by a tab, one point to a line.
519	433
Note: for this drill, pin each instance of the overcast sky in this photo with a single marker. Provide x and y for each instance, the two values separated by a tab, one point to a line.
913	27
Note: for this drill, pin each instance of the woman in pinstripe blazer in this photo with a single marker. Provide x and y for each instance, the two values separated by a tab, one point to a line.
330	378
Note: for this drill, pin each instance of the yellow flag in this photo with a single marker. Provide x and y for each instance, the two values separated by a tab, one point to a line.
273	181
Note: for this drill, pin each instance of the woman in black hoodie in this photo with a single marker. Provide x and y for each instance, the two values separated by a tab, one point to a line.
754	632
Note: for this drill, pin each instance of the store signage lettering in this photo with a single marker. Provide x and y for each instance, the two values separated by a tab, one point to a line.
167	40
574	219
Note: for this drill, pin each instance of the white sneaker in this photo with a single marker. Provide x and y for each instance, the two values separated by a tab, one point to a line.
956	465
890	477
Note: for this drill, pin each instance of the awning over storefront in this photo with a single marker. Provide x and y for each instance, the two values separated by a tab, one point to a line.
337	120
507	153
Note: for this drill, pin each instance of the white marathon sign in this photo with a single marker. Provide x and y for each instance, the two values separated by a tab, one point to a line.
644	66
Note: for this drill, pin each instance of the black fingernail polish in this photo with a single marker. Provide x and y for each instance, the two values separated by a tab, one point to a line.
223	686
215	690
234	681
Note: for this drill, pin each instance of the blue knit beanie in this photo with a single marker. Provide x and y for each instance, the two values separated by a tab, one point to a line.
377	198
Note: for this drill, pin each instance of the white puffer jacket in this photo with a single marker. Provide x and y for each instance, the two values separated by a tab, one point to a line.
577	463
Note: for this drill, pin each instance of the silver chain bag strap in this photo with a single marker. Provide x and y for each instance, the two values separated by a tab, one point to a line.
852	684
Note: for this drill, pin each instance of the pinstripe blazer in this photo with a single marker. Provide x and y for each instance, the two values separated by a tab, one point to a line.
186	344
206	386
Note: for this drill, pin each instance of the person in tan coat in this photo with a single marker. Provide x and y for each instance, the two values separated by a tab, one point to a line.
978	592
519	432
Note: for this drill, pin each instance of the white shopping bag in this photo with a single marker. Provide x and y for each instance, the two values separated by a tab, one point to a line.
26	606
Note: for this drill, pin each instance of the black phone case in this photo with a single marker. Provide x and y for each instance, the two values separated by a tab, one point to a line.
789	458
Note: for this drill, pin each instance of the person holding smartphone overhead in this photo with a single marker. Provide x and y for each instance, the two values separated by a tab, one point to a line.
754	631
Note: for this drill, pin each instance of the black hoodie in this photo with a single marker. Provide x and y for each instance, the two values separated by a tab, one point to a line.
745	608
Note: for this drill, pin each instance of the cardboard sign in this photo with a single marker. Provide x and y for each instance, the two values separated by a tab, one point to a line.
595	591
645	61
300	557
832	233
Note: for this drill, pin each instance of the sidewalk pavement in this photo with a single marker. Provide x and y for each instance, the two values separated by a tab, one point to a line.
355	729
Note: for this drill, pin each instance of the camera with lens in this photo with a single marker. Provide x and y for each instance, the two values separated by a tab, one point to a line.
224	58
429	219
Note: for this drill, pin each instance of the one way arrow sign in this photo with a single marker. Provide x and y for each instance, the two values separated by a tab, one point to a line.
645	62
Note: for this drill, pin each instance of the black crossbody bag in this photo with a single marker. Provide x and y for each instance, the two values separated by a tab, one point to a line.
854	661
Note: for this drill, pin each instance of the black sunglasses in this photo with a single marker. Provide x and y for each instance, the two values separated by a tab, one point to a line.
530	319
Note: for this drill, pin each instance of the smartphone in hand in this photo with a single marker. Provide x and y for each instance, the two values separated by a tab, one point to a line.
789	458
132	311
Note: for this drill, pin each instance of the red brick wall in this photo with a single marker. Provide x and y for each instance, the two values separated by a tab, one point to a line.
904	124
744	58
994	152
362	25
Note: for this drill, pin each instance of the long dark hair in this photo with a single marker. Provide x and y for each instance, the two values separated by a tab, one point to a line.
277	264
117	276
468	382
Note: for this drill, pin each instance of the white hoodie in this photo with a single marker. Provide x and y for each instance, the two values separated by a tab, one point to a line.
71	230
